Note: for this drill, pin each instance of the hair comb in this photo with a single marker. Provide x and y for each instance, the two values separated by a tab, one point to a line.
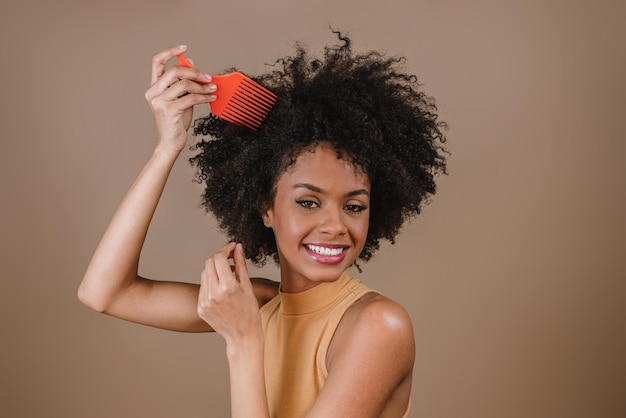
240	100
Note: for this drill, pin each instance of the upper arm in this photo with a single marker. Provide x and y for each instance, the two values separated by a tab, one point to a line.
264	289
370	362
172	305
160	304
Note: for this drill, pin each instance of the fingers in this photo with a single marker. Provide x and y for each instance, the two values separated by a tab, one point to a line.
205	303
222	264
220	269
209	277
160	59
184	86
209	286
178	80
177	73
241	268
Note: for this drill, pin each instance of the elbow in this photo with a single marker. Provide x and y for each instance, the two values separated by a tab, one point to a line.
89	297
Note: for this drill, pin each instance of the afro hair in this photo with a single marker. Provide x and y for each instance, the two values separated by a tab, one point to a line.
364	105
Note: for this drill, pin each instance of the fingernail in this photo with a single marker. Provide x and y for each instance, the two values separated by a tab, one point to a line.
207	77
212	87
182	46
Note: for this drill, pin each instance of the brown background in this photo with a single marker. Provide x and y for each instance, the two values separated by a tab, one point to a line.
514	275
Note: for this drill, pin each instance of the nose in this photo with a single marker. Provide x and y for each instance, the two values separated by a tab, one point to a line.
332	222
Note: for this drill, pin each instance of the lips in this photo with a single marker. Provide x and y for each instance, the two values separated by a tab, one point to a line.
331	251
326	254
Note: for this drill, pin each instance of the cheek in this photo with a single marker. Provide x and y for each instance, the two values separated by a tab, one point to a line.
289	226
360	227
366	224
364	229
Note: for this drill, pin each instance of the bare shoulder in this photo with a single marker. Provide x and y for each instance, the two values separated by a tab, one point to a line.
264	289
376	306
376	319
369	361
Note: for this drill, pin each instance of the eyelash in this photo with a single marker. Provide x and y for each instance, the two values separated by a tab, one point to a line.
309	204
356	208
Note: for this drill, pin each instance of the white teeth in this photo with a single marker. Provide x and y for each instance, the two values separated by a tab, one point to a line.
325	250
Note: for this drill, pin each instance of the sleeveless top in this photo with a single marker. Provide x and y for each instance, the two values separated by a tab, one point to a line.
298	329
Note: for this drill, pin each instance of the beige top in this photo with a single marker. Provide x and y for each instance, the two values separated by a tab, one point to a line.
298	328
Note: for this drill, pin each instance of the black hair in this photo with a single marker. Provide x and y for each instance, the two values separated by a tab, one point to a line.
364	105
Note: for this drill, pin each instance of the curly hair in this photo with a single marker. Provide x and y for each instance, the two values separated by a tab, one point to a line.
371	112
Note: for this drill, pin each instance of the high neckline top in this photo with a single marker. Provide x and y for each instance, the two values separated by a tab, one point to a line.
313	299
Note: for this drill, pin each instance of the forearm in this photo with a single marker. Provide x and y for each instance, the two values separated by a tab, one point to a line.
114	264
247	379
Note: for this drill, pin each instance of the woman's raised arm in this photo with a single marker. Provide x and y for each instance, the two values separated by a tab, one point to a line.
111	283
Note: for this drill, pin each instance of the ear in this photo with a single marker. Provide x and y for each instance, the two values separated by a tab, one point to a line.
267	215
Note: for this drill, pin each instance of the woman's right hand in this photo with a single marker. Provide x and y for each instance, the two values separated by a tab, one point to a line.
226	300
172	95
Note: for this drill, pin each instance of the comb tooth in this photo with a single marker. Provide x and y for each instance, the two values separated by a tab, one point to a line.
256	117
238	121
248	106
253	84
240	116
243	118
258	90
252	96
246	103
234	112
247	117
249	102
257	95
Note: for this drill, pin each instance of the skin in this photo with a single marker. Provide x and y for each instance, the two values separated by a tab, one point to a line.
371	356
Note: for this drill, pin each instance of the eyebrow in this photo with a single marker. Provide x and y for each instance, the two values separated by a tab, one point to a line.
318	190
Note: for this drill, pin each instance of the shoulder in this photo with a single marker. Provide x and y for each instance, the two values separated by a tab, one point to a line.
375	323
369	361
377	315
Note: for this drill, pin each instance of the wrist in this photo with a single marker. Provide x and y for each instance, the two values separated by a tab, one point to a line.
245	347
167	153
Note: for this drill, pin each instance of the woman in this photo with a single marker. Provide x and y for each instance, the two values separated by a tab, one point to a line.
348	153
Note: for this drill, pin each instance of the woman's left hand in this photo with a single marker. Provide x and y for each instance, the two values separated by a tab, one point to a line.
226	300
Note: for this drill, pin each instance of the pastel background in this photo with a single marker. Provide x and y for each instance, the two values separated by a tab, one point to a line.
514	276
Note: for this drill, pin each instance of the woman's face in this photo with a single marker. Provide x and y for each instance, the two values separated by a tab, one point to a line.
320	217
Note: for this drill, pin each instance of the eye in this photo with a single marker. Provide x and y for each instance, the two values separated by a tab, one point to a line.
307	204
355	208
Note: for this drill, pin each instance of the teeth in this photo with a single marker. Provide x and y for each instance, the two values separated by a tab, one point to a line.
324	250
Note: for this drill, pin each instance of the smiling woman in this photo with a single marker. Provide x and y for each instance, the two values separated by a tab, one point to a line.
348	153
